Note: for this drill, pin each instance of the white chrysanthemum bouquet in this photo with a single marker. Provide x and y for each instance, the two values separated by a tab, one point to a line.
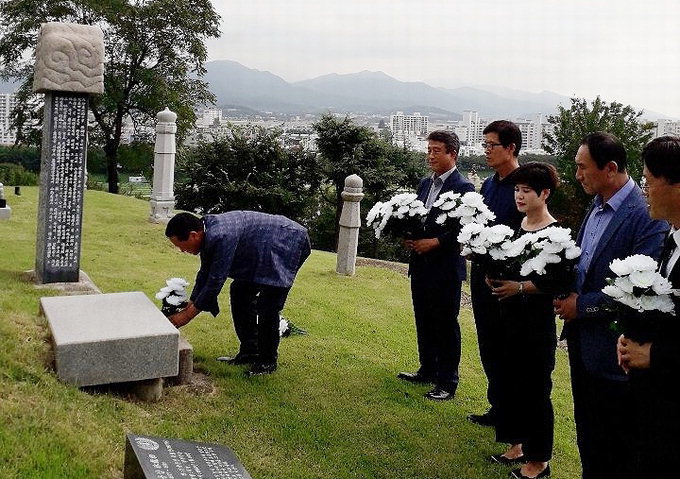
479	240
639	286
464	209
641	293
400	216
535	251
173	295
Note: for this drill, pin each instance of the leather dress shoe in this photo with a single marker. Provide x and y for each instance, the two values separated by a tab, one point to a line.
259	369
517	474
486	419
439	394
414	377
506	461
239	359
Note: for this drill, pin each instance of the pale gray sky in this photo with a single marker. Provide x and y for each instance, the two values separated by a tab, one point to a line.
623	50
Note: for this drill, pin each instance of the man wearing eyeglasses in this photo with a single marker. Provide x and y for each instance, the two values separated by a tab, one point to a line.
616	226
654	366
502	142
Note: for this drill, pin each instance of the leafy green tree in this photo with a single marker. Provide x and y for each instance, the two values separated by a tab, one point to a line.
26	156
570	126
346	148
250	171
154	56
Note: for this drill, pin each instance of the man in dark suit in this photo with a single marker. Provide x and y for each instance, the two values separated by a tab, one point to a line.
437	270
262	253
654	366
616	226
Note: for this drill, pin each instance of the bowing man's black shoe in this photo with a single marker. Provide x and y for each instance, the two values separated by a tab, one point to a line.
239	359
506	461
517	474
416	377
439	394
259	369
486	419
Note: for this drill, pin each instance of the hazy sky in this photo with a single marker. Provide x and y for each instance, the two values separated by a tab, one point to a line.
623	50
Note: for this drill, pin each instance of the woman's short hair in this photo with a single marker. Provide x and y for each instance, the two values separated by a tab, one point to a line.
537	176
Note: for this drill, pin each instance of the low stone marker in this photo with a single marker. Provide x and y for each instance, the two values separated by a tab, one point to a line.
110	338
159	458
5	211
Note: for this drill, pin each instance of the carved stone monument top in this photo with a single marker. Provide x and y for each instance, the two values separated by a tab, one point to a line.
69	57
166	116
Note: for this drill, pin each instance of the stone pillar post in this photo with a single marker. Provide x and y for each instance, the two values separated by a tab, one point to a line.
163	196
69	67
350	221
5	211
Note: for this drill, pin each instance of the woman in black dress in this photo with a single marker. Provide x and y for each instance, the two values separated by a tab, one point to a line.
526	420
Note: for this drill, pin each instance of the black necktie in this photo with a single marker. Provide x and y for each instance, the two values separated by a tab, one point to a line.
668	250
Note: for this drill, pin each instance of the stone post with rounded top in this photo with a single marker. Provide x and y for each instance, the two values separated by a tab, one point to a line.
162	196
350	221
69	67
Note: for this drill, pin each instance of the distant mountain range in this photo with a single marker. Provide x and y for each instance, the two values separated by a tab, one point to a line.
366	92
248	90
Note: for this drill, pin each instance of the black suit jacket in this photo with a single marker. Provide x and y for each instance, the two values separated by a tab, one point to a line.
445	261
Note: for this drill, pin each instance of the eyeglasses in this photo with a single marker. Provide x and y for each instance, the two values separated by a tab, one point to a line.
490	146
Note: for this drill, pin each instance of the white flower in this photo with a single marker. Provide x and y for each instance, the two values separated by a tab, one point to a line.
373	213
176	283
468	231
283	325
613	291
572	252
499	233
175	300
474	199
642	279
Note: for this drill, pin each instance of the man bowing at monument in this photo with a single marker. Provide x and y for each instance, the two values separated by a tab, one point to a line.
262	253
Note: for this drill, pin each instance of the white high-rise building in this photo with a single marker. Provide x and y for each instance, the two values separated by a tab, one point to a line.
7	102
408	125
532	133
667	127
474	126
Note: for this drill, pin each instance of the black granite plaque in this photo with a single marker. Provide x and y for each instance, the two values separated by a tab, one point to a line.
62	182
149	457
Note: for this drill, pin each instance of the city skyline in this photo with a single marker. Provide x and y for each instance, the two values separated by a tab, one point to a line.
624	51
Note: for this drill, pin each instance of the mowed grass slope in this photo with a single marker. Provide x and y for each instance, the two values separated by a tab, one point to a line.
334	409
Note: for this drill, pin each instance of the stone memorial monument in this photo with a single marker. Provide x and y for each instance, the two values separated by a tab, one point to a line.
110	338
149	457
162	196
350	221
69	68
5	211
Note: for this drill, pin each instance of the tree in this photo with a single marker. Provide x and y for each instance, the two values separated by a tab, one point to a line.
154	56
570	126
250	171
346	148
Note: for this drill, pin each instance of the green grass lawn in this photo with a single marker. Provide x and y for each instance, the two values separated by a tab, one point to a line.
334	409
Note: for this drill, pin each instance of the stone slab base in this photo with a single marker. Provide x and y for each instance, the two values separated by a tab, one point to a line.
84	285
5	213
186	364
110	338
